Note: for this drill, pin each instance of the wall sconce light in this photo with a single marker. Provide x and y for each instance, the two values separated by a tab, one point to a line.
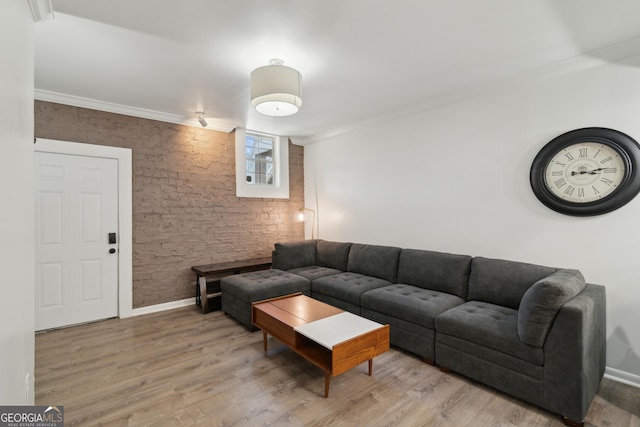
300	217
276	90
201	119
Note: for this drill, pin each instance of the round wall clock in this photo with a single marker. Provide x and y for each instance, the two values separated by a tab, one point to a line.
587	171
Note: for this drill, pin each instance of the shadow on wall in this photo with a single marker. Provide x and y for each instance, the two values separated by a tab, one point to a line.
622	395
628	360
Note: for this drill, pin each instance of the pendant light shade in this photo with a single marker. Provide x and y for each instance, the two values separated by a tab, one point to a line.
276	90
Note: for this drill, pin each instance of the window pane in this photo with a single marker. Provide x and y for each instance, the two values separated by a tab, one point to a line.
259	154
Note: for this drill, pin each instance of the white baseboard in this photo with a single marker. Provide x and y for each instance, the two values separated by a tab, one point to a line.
164	306
622	376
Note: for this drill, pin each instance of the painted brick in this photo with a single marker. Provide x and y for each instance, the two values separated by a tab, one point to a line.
185	211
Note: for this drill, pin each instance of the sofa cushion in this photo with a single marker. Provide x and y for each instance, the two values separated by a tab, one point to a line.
313	272
541	303
260	285
373	260
410	303
503	371
488	325
411	337
294	254
333	254
503	282
346	286
435	270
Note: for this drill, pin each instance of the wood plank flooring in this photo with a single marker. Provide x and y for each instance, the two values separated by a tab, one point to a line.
183	368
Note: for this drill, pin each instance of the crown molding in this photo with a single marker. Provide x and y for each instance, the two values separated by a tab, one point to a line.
77	101
609	54
528	77
41	10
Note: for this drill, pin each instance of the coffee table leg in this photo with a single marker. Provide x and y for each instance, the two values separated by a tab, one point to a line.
327	381
370	366
264	341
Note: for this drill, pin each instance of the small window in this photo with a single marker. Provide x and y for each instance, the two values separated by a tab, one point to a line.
259	159
262	165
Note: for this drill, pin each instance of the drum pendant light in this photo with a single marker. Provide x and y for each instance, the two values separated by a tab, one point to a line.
276	90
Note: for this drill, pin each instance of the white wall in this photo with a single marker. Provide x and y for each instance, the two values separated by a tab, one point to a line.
456	179
17	307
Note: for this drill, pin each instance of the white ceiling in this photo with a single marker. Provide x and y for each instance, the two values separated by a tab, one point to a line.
360	59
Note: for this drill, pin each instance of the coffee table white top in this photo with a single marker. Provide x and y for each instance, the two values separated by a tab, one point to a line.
338	328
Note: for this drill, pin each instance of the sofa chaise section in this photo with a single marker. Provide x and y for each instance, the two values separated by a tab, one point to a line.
294	266
239	291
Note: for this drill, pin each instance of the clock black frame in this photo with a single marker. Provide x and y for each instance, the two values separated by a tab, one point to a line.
628	188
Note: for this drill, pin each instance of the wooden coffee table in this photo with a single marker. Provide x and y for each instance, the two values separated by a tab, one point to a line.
333	339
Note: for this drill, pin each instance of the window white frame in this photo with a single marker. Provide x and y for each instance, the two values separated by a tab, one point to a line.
280	187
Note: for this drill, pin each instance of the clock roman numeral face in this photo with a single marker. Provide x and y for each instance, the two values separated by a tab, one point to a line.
584	172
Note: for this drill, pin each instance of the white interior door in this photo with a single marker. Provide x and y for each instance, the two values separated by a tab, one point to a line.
76	200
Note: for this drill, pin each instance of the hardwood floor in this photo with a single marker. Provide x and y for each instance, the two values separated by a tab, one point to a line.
183	368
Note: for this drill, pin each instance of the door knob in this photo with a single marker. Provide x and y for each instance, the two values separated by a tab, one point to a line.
112	251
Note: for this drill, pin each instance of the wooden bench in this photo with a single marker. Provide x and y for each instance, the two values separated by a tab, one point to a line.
208	279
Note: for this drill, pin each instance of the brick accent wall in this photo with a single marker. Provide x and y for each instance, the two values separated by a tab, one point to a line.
185	211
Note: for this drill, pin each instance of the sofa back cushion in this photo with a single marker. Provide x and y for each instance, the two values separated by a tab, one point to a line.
542	301
503	282
373	260
293	255
435	270
333	254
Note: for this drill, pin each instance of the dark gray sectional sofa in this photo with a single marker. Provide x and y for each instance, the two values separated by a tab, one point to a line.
534	332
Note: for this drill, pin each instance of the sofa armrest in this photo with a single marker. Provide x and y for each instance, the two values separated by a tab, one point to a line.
575	354
542	301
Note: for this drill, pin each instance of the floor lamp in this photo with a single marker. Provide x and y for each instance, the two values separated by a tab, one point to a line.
300	216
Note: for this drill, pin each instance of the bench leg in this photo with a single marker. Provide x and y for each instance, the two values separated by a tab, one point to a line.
204	301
